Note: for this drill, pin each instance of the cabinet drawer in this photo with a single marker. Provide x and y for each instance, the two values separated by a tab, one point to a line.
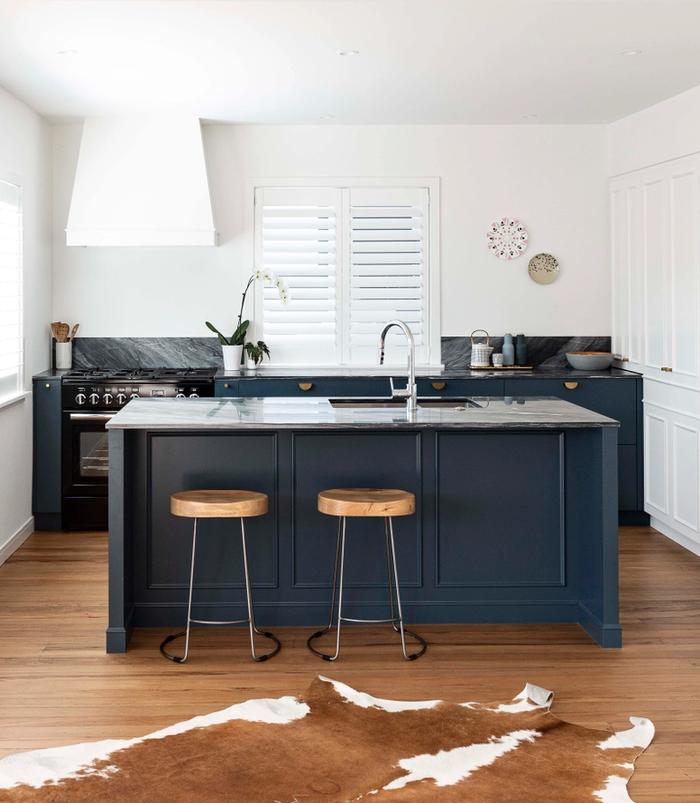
303	386
614	398
460	387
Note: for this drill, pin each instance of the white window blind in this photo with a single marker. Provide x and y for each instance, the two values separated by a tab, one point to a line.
298	241
11	351
352	258
387	270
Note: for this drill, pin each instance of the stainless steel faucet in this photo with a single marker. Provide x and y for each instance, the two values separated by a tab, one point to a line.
410	392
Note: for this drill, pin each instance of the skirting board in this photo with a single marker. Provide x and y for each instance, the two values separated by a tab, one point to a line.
674	535
15	541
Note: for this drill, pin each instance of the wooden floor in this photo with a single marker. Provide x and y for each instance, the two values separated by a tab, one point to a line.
58	686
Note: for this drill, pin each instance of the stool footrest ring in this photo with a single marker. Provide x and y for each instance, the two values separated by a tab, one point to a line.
178	659
409	656
393	621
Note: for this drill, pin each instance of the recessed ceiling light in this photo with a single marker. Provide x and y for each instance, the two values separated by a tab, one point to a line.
68	52
326	117
348	52
633	52
530	116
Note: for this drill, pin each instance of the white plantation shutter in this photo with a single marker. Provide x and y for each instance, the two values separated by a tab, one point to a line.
388	270
11	351
352	258
298	241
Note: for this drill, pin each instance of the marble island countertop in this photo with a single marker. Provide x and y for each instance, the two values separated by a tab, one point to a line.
293	413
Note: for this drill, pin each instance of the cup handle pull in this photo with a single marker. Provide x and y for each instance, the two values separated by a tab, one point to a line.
571	385
305	386
438	385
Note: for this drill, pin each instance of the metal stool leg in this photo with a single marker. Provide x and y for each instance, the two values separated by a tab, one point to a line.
424	646
251	616
185	633
339	562
250	620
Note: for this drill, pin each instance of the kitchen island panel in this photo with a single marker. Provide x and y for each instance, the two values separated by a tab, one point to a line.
355	460
245	462
500	511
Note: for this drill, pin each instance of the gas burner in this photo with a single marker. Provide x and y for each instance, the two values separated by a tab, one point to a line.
140	374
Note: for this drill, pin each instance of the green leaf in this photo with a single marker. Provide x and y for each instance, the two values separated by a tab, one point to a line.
238	337
222	338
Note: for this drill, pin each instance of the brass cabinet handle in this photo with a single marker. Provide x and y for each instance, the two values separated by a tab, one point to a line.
438	385
666	368
571	385
226	385
48	386
305	386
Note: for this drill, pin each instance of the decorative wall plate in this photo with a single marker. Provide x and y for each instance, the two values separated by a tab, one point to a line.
507	238
543	268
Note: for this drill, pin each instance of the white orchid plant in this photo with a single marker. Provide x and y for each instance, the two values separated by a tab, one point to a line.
238	337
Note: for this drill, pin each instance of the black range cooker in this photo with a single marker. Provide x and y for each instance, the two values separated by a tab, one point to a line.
89	399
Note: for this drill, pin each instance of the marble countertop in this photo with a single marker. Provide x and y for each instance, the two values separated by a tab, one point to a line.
292	413
540	372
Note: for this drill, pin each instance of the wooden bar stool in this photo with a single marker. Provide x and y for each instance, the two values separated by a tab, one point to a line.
367	502
219	505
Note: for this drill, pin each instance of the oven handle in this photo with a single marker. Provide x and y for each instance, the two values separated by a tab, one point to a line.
96	417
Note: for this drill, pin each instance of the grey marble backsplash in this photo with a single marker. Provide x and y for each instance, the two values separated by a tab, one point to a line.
548	351
203	352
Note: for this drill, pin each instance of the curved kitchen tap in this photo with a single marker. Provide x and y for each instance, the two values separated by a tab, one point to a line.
409	392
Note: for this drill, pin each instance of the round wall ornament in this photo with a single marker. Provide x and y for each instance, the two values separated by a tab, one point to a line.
543	268
507	238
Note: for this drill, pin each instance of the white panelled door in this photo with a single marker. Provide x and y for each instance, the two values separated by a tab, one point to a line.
683	346
655	230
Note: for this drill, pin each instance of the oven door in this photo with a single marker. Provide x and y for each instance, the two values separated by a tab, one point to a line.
85	470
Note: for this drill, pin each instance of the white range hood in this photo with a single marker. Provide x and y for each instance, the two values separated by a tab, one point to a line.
141	181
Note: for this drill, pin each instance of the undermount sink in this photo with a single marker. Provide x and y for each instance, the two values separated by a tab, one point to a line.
397	404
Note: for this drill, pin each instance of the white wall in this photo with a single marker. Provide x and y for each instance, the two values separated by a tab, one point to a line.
25	150
552	177
667	130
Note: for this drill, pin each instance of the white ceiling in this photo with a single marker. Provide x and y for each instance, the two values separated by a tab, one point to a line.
420	61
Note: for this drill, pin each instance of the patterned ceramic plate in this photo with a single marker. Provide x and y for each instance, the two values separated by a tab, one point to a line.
507	238
543	268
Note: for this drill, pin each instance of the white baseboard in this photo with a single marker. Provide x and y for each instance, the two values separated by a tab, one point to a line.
688	543
15	541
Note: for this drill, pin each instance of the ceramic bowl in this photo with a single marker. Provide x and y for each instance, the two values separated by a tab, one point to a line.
589	360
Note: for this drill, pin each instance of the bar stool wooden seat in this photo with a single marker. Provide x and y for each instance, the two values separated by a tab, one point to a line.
220	504
362	503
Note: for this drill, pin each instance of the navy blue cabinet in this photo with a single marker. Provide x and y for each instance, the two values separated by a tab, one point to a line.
47	487
620	399
449	388
304	386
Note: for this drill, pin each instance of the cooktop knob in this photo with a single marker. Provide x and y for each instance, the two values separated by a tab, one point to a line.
80	399
94	398
194	395
121	398
179	395
134	396
108	398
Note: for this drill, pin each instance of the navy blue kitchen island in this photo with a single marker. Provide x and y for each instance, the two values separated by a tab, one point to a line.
516	516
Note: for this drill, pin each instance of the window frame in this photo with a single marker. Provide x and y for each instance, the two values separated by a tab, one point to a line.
20	393
433	306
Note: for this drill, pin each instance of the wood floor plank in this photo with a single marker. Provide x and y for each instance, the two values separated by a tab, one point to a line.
58	686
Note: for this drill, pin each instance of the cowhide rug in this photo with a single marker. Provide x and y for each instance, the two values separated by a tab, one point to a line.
338	744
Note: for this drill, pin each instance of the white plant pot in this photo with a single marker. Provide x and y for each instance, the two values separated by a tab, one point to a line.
64	356
250	364
232	357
